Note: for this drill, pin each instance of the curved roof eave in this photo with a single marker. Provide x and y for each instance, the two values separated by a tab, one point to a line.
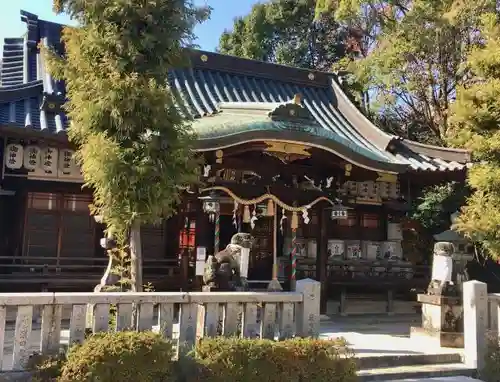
358	120
45	134
445	153
21	91
384	140
296	137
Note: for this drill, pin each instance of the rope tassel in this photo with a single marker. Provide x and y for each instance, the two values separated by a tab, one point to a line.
246	215
294	224
270	208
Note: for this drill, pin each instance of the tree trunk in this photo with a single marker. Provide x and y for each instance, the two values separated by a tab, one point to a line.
136	257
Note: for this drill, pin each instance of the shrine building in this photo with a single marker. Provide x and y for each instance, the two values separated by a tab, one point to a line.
288	157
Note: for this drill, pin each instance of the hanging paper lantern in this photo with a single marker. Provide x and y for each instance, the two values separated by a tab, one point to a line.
66	161
270	207
31	157
49	160
14	156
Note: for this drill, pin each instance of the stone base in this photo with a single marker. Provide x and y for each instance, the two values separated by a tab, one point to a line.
441	313
442	321
438	300
437	338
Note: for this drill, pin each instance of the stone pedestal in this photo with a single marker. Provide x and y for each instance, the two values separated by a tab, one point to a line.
442	321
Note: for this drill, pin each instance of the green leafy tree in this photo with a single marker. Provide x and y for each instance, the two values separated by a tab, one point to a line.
433	208
413	55
134	146
475	122
286	32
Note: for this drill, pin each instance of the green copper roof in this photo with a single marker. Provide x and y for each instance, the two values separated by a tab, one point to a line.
236	118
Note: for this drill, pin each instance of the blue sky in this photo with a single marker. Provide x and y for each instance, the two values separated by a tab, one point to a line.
224	11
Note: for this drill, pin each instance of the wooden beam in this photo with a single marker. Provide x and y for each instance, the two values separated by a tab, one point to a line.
286	194
270	169
269	166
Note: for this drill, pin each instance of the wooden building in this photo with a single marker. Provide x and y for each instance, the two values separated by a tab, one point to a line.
274	139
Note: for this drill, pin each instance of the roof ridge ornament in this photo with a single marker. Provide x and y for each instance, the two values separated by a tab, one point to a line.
292	110
297	99
32	35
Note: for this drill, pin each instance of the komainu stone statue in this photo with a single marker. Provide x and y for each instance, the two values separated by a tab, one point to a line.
442	271
222	271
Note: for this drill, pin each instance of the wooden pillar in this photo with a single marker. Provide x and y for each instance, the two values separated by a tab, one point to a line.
322	256
183	252
390	302
343	301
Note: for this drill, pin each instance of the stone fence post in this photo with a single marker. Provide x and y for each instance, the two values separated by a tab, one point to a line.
475	304
308	312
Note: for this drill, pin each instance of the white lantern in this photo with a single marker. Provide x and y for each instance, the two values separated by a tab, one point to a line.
49	160
338	214
14	156
31	157
66	162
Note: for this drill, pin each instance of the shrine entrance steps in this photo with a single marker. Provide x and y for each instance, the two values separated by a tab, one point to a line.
385	351
412	366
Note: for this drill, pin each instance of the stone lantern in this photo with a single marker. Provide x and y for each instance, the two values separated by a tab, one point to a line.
442	312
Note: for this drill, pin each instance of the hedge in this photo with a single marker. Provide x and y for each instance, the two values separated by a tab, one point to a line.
297	360
146	357
491	370
121	356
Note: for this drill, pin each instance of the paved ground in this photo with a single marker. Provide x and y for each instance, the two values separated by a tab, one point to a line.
377	336
439	379
367	336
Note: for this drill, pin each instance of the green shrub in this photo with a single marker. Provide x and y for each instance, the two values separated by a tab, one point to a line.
249	360
491	371
45	368
122	356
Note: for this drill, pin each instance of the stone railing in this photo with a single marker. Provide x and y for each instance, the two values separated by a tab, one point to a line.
183	317
480	320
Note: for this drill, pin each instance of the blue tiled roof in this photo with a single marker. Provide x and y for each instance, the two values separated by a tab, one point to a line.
204	89
13	62
26	85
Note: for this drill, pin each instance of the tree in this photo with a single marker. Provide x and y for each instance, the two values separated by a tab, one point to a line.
412	59
133	144
434	207
285	32
475	122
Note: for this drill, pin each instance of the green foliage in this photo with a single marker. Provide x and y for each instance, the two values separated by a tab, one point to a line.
284	32
433	208
491	370
133	356
297	360
45	368
122	356
134	146
412	58
475	125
